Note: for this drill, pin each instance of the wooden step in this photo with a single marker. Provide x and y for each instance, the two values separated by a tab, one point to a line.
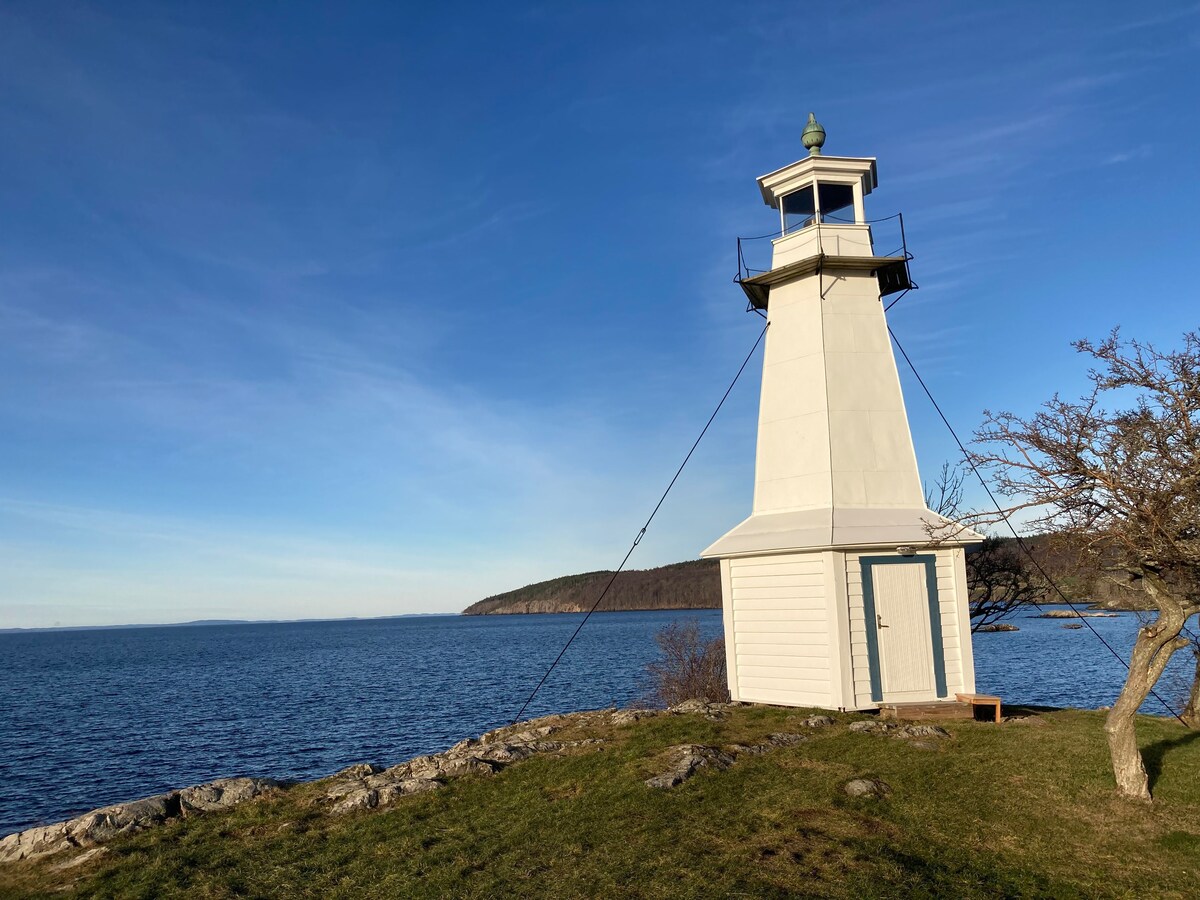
924	712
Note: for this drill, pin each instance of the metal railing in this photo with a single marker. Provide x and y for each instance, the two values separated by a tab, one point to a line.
754	254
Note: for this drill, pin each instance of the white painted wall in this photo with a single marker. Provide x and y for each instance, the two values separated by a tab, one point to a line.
780	635
833	431
830	239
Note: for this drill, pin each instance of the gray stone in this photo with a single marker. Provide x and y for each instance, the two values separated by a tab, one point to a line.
364	796
629	716
91	828
815	722
898	730
920	731
686	760
358	770
785	740
871	788
223	793
709	710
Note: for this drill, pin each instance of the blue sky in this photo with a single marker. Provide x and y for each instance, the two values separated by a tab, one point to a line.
327	310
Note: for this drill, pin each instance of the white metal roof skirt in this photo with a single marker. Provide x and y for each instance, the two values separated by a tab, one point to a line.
825	529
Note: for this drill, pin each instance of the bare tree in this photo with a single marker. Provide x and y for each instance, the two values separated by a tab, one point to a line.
1191	710
1000	578
1001	581
690	667
1118	472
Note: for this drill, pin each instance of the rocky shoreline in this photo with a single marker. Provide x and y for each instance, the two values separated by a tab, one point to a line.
360	786
367	786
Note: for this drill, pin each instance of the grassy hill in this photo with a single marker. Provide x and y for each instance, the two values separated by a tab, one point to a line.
686	585
1024	808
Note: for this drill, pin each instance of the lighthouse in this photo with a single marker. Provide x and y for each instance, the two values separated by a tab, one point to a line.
834	593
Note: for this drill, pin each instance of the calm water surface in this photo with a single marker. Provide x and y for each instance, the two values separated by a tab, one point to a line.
89	718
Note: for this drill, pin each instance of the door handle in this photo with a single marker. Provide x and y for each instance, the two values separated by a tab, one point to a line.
879	621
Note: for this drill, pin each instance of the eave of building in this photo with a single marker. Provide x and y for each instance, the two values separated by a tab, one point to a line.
840	529
835	168
758	288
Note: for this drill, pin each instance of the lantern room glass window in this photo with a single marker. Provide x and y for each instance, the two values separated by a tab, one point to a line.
837	203
799	210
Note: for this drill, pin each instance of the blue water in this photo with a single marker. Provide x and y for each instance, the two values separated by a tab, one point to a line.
89	718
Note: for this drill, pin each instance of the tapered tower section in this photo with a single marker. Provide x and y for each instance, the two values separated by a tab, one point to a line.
834	593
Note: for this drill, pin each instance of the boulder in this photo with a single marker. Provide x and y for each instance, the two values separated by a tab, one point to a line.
870	788
815	722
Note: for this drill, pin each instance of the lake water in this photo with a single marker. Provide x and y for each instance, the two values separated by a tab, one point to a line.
89	718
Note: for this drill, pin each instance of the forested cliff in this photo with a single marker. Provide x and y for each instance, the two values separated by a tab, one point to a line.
686	585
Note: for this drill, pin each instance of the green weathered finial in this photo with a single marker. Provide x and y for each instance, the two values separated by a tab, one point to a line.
813	136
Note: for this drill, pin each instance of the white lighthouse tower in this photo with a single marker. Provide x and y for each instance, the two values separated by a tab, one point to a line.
834	595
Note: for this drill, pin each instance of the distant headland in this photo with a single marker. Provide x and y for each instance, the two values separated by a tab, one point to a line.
686	585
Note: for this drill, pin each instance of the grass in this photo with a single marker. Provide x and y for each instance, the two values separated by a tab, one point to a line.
1007	810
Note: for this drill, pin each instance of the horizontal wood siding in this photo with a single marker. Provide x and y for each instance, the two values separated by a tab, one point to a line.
780	629
951	626
858	633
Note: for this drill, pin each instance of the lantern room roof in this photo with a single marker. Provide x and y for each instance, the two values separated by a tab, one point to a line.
840	169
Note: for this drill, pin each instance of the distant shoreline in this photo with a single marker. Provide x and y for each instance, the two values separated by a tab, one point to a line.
203	623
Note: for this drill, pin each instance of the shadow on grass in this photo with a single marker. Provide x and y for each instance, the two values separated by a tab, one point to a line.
1154	754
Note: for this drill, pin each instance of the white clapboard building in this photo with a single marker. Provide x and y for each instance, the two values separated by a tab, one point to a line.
834	594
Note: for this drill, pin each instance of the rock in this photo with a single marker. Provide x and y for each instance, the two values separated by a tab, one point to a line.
898	730
122	818
358	770
815	722
772	742
1072	626
785	740
998	626
365	796
226	792
91	828
920	731
871	788
629	716
35	842
686	760
103	824
705	708
463	746
350	790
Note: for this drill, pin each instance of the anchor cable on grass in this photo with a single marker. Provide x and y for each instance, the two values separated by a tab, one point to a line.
642	533
1020	542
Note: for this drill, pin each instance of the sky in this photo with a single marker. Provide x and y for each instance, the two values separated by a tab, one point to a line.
321	310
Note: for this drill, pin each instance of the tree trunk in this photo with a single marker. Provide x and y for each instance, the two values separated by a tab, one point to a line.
1191	712
1151	651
